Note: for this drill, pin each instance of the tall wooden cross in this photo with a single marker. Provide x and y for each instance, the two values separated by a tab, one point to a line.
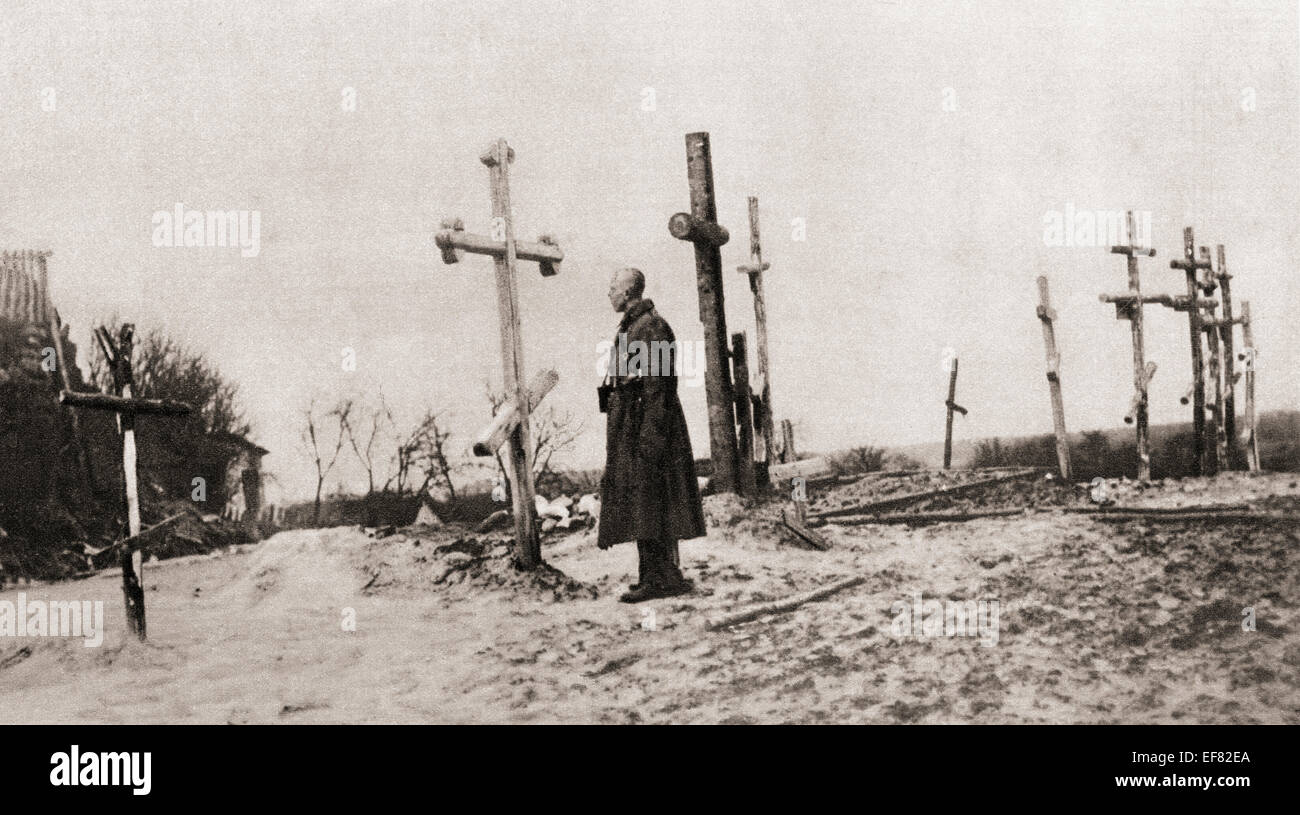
952	406
1190	265
700	228
1047	316
766	443
511	423
127	407
1248	357
1130	308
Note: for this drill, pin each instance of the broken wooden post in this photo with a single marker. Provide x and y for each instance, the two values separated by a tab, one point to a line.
700	228
788	453
126	406
1189	264
1229	361
744	416
782	605
766	441
505	252
1047	315
796	520
1131	310
1248	357
952	406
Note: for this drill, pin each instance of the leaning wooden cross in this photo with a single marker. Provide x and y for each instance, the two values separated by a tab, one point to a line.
1047	316
510	425
127	407
1129	307
952	405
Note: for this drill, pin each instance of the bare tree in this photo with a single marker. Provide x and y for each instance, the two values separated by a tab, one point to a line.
553	432
313	438
361	435
423	452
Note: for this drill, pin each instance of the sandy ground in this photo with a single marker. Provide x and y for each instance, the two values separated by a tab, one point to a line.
1098	622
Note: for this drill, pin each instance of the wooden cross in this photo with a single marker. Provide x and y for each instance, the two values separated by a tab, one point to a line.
700	228
952	406
1189	264
766	443
511	423
1218	446
1248	356
1130	308
1229	358
1047	315
127	407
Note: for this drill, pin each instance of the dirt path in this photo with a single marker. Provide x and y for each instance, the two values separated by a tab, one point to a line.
1132	622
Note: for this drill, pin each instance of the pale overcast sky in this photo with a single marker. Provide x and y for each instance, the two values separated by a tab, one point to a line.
924	224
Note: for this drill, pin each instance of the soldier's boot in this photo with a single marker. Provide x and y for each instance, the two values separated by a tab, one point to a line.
671	581
645	571
656	579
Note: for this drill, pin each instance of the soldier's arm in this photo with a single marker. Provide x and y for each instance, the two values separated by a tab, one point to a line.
657	388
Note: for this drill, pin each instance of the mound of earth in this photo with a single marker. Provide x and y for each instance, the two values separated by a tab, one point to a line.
449	560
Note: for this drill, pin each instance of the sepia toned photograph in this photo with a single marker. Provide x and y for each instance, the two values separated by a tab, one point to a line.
581	363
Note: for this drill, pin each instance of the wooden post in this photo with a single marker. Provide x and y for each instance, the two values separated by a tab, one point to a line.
1131	310
700	227
1217	453
1189	264
744	417
788	453
126	406
506	251
1248	357
1047	316
952	405
132	588
1229	362
766	441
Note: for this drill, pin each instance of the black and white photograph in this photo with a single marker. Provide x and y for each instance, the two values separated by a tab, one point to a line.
460	362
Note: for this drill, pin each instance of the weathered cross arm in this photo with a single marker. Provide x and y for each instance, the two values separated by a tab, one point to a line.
504	423
686	227
1132	251
454	242
1177	302
1219	322
954	406
122	404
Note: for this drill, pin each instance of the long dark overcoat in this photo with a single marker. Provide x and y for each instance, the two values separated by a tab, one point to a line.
649	489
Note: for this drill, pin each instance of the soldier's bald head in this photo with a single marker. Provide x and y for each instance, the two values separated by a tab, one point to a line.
626	287
631	281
